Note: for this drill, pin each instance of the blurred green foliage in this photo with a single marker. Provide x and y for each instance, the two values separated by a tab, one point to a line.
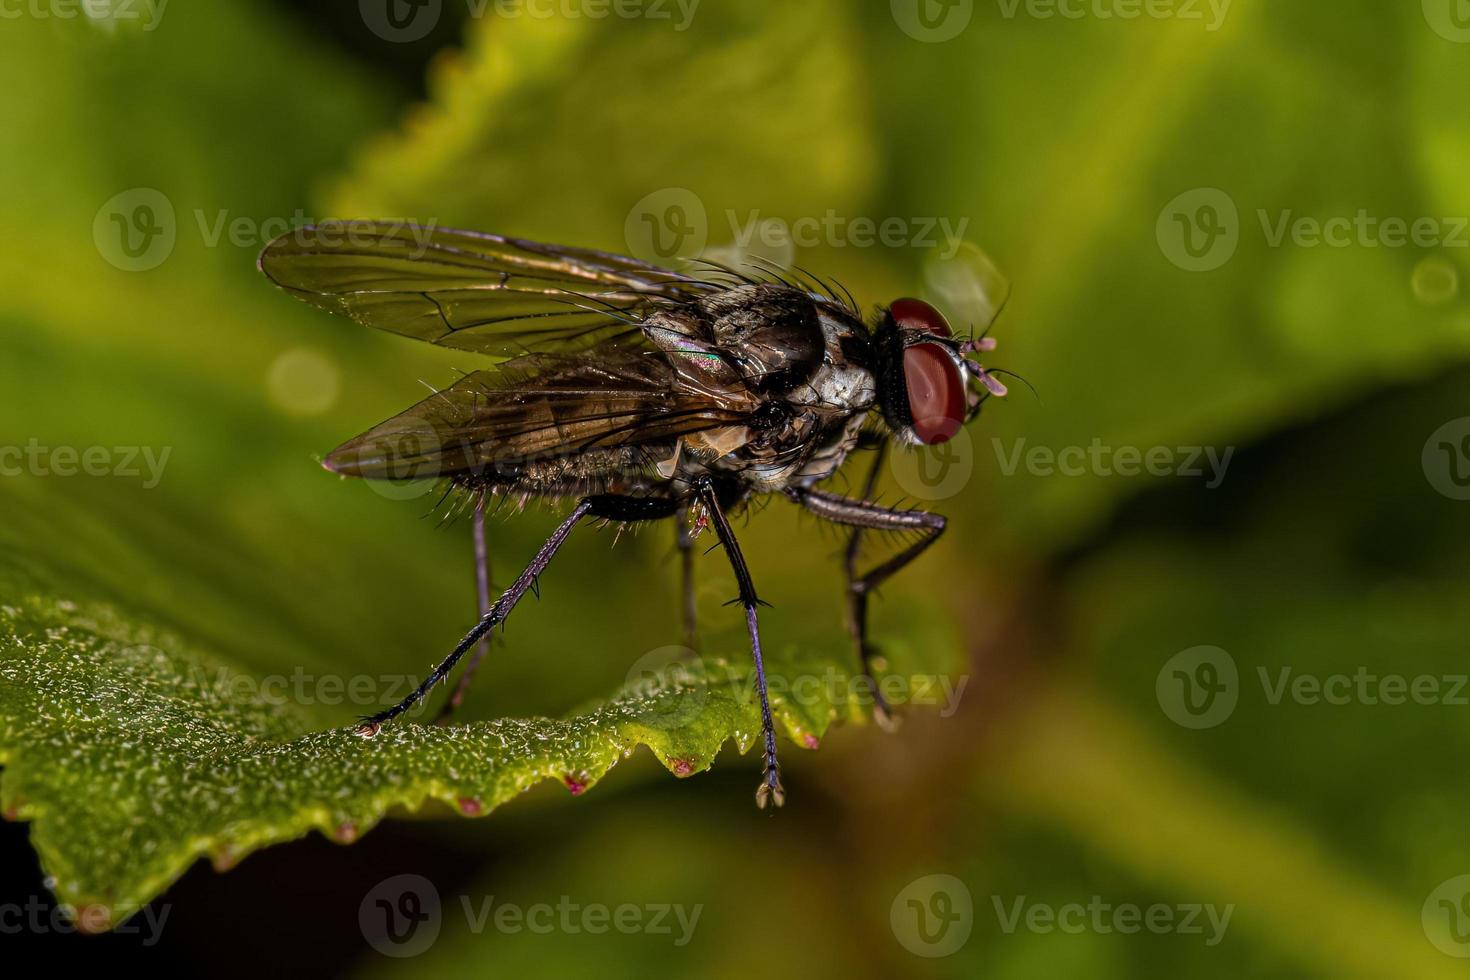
1061	143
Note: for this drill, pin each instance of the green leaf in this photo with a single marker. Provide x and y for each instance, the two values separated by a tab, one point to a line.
134	753
557	127
1075	168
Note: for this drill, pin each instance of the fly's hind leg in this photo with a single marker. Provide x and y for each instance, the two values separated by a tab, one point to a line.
499	610
482	590
608	506
769	790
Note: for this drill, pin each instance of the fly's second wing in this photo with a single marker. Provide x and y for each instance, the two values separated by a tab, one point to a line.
541	407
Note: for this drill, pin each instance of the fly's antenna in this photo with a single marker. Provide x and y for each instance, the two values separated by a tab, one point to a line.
987	378
1013	374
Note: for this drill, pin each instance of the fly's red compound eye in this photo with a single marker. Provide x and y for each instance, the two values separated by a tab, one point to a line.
915	314
936	392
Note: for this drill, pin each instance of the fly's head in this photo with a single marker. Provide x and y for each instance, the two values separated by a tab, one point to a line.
930	382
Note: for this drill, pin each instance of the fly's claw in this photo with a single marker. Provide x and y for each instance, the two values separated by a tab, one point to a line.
367	728
883	714
770	789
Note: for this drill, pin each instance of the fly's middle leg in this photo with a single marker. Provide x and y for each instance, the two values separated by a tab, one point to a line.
684	539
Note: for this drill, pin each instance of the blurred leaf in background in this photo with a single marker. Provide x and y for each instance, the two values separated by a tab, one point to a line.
1148	185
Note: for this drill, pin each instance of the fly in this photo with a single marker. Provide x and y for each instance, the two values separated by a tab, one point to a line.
636	393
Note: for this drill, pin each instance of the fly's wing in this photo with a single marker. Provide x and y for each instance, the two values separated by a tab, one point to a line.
471	291
541	407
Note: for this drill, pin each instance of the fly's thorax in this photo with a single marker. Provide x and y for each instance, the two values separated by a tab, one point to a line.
796	364
788	445
830	453
843	383
771	333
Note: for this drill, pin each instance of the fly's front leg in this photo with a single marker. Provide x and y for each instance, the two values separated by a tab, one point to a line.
769	790
857	597
861	515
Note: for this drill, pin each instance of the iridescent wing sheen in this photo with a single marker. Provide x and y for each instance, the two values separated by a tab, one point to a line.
542	407
469	290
